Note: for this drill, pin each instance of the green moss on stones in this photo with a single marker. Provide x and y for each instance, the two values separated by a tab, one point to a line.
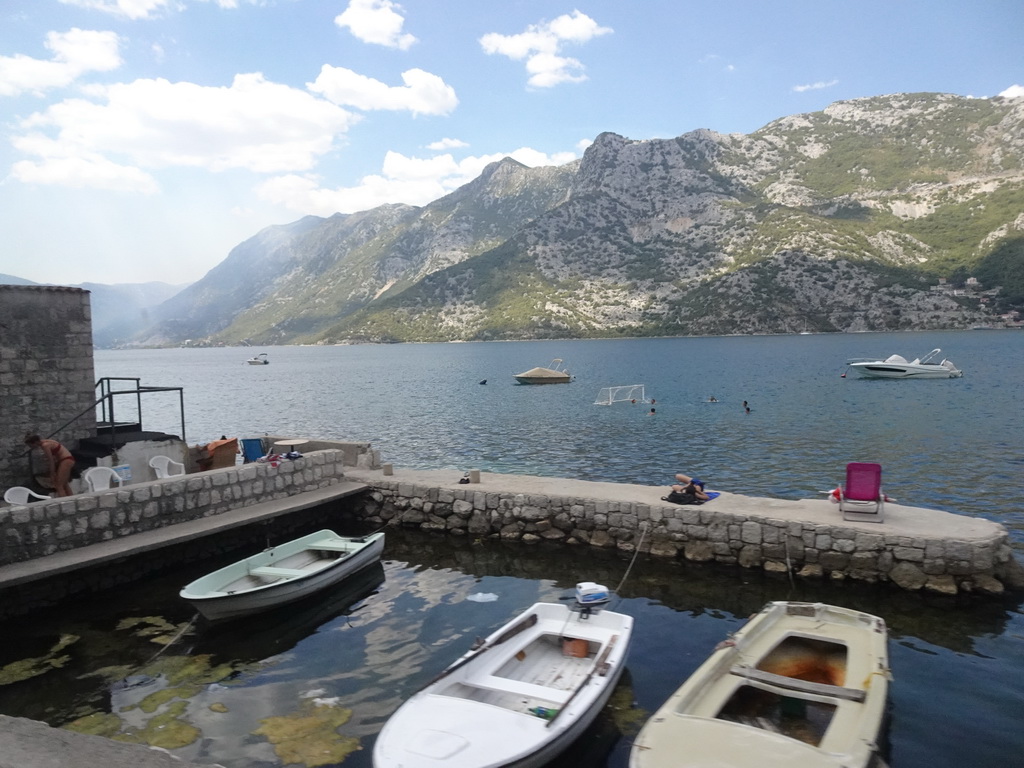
310	736
17	671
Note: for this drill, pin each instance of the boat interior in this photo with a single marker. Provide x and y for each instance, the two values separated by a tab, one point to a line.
537	679
300	563
791	688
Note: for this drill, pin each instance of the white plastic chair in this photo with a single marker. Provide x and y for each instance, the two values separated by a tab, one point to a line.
165	466
19	494
100	478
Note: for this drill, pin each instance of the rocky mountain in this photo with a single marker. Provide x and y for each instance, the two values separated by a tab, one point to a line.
842	220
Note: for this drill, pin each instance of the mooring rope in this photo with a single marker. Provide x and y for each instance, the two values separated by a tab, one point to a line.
636	553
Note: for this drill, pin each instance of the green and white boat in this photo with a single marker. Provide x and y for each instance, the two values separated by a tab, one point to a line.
282	574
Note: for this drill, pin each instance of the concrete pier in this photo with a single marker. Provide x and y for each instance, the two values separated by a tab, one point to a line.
914	548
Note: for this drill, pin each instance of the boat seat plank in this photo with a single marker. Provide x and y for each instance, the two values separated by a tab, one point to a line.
518	687
331	545
793	684
270	571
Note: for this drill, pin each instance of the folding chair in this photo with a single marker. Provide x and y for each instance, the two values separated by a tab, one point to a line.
252	449
862	498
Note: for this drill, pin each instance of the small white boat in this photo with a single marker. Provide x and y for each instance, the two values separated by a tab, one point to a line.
518	698
281	574
801	684
896	367
260	359
553	374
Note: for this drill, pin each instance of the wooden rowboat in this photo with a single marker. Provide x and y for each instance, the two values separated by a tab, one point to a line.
281	574
800	684
518	698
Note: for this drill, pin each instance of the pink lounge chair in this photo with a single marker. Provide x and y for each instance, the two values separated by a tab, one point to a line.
862	498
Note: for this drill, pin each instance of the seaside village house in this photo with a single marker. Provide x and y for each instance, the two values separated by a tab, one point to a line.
48	387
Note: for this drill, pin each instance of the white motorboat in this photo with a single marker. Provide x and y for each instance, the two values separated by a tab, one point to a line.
282	574
896	367
553	374
800	684
517	698
260	359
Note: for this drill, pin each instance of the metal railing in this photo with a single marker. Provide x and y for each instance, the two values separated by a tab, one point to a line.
107	423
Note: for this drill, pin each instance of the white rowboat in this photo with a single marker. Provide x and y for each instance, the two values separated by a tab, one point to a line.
801	684
518	698
282	574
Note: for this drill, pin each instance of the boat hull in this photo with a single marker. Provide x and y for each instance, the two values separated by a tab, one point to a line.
282	574
889	371
553	379
800	684
517	700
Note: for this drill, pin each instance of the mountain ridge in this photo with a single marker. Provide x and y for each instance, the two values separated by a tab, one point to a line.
872	214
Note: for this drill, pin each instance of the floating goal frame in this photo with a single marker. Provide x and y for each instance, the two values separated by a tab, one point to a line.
622	394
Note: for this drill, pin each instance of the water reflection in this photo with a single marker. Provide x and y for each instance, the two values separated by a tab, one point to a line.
340	664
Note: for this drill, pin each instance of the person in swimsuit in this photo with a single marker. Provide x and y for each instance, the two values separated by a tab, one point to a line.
692	486
59	461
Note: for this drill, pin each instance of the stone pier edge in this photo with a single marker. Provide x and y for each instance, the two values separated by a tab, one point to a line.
976	562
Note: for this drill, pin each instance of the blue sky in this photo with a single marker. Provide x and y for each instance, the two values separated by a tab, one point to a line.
143	139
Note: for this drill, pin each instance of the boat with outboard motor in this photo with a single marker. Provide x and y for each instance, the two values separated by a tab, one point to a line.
897	367
517	698
260	359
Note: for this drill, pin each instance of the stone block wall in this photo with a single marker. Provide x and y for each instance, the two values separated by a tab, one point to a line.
46	371
45	527
703	534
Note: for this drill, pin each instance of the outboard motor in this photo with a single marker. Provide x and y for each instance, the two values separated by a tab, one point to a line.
591	598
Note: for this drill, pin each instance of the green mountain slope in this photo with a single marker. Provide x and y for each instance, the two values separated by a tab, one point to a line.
841	220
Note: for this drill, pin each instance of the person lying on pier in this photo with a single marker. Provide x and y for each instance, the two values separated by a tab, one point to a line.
690	490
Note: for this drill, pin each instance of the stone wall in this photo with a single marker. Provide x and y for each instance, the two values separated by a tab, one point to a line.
703	534
46	371
45	527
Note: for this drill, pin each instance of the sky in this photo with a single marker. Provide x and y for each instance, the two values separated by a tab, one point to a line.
141	140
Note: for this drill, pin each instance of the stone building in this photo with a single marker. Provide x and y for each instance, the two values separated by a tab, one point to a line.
47	378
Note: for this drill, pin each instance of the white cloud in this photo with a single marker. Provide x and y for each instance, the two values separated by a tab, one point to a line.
409	180
254	124
136	10
423	93
129	9
75	52
91	172
447	144
376	21
815	86
540	45
1013	92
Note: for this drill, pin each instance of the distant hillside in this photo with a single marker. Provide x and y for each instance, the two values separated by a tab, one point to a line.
118	311
840	220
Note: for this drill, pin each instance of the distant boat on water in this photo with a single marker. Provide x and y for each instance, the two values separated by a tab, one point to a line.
260	359
553	374
897	367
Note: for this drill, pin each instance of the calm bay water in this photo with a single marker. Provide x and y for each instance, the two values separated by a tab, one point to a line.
958	666
952	444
